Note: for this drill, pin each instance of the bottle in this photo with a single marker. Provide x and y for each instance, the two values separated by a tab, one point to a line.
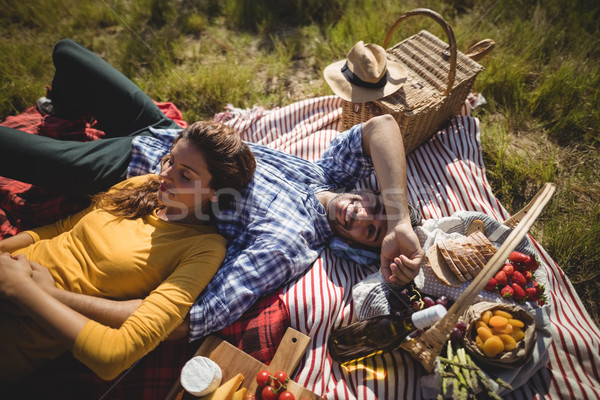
379	333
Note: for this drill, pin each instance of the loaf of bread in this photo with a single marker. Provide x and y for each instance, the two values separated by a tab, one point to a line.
455	261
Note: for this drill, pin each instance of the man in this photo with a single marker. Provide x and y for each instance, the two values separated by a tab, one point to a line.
276	227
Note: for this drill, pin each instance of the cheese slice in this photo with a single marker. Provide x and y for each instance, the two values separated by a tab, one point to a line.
201	376
239	395
226	390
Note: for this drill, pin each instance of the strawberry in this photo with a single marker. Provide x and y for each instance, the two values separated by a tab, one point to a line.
519	279
501	278
532	264
528	276
540	288
532	293
519	258
518	292
508	269
491	285
507	292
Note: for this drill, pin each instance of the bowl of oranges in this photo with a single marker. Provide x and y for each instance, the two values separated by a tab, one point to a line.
501	335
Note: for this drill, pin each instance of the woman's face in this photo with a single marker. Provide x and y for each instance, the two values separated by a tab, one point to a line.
185	189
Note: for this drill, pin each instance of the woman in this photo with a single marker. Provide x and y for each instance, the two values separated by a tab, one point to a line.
149	236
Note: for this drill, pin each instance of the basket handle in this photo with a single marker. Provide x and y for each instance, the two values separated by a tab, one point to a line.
480	49
449	33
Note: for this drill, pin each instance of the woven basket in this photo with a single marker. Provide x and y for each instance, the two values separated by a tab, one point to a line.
427	346
438	82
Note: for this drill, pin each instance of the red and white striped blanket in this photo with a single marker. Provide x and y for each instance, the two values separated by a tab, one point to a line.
445	175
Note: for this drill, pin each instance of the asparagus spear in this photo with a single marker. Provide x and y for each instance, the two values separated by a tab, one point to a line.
467	379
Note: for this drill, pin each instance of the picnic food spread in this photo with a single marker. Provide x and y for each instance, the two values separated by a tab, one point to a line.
270	387
241	373
507	347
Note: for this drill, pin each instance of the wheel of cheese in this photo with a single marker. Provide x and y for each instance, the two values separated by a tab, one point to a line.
201	376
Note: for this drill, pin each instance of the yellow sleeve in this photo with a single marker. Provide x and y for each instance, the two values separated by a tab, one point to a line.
109	351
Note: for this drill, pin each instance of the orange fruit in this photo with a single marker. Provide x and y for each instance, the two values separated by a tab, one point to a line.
493	346
498	321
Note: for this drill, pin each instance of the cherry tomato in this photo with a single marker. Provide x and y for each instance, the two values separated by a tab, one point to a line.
268	393
286	396
281	379
250	396
263	378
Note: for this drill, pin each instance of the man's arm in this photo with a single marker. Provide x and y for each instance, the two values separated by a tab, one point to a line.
110	312
107	312
401	252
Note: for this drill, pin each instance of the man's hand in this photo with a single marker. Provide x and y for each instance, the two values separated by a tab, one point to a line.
401	254
15	272
181	332
7	307
42	277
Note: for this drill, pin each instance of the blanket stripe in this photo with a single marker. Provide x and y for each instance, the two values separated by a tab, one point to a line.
445	175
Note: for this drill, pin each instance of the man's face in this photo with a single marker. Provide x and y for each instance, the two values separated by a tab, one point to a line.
359	217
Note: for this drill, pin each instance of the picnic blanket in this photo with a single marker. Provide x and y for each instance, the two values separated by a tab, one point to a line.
445	175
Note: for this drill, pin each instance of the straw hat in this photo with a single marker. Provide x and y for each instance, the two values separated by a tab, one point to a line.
365	75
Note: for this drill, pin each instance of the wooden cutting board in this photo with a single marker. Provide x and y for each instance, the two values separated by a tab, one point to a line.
234	361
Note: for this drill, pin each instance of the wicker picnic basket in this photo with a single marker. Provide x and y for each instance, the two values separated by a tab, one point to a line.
427	346
438	82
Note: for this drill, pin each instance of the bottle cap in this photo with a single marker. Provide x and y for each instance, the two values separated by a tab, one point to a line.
428	316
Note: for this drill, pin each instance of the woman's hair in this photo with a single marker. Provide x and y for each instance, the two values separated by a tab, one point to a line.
229	161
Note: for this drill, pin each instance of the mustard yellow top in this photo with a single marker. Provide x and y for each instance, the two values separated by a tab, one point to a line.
98	254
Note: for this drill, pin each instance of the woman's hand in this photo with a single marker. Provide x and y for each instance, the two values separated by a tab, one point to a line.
17	284
15	273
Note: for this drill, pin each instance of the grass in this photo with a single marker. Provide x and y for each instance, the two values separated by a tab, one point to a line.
542	81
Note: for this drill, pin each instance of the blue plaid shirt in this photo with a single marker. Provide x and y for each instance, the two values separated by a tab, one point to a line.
277	227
